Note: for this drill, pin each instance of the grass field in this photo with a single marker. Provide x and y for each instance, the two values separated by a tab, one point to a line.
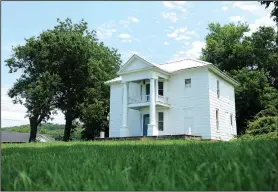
141	165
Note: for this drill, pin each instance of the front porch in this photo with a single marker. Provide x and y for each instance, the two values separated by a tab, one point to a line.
147	93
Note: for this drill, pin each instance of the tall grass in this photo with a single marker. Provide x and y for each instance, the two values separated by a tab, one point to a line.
245	164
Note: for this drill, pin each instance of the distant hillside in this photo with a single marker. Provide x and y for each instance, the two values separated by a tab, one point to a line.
54	130
49	129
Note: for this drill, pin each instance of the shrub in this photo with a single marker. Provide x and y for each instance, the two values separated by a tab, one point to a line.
263	125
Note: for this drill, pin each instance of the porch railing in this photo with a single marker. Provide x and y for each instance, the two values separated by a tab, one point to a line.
162	99
146	98
139	99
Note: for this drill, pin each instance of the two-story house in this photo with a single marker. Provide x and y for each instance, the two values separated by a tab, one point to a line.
190	97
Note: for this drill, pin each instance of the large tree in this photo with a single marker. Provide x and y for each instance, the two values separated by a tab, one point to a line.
74	56
251	60
35	90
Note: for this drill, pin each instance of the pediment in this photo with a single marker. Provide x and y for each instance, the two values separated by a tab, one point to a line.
135	63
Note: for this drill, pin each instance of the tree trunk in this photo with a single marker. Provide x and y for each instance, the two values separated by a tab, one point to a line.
33	129
68	126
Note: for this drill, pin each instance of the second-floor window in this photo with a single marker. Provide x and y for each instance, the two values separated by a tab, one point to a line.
187	82
160	88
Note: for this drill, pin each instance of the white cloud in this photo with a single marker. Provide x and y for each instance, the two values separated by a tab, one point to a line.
106	30
237	18
172	16
127	38
224	8
181	33
173	4
133	19
14	114
196	49
246	6
193	52
177	5
166	43
263	20
128	21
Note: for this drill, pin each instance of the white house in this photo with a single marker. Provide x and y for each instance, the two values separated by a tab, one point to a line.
190	97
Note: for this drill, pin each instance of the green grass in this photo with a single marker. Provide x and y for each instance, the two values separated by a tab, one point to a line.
245	164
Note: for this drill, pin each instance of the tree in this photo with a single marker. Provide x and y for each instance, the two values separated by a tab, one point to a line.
226	47
253	96
95	109
37	96
72	54
34	89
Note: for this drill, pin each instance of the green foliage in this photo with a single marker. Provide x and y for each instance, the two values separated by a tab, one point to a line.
253	95
160	165
248	137
263	125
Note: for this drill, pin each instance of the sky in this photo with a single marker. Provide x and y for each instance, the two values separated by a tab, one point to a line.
159	31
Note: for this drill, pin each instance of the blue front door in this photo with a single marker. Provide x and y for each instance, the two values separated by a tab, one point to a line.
146	119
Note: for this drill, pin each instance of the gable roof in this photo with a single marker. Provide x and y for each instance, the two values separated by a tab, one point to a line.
175	66
14	137
18	137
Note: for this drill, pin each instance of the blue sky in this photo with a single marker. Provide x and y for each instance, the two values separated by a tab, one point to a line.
158	31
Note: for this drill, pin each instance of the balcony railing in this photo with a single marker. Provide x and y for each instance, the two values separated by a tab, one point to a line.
140	99
162	99
146	98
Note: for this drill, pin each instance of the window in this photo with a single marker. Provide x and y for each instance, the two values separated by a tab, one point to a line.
231	119
217	119
218	90
160	121
187	82
160	88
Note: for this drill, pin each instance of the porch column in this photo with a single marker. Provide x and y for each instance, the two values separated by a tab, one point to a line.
152	126
156	89
124	129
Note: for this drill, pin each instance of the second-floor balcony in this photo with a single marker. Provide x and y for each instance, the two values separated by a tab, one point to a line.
146	99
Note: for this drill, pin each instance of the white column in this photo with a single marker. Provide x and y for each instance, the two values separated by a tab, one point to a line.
156	89
152	126
124	128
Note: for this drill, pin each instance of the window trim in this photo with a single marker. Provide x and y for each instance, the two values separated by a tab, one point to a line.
160	121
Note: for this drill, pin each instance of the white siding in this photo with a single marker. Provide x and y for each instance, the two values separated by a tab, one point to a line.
188	103
136	64
226	105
